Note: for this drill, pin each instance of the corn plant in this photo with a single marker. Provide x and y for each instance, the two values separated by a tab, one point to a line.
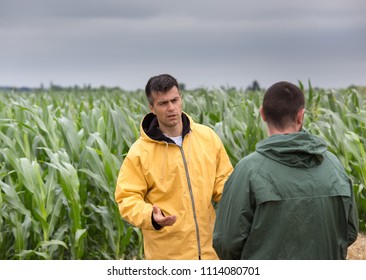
59	158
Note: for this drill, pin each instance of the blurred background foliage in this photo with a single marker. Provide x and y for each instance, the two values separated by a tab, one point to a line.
61	150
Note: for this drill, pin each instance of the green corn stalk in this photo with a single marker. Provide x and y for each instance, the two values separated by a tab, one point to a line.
69	182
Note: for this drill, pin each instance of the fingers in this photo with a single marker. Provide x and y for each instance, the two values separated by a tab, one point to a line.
169	220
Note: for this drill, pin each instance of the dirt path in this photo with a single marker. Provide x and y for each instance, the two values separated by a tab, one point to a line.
357	251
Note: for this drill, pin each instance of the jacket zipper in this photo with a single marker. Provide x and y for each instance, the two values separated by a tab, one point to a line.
193	204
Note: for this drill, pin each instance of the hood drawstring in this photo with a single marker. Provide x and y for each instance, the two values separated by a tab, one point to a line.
189	148
164	162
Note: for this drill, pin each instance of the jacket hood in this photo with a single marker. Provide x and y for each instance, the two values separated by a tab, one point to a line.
300	149
150	128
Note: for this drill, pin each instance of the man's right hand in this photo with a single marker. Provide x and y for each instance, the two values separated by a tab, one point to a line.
160	219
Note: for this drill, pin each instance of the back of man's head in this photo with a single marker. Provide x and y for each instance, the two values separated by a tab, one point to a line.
281	103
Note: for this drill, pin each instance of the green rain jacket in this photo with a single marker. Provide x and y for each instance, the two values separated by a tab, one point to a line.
290	199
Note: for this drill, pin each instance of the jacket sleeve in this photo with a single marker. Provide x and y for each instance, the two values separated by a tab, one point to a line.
234	217
130	193
223	170
352	219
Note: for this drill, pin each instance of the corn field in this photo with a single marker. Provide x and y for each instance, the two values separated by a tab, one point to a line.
61	150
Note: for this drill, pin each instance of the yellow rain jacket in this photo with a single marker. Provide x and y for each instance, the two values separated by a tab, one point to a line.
181	181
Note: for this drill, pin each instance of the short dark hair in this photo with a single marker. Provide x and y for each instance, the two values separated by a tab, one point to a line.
159	83
281	103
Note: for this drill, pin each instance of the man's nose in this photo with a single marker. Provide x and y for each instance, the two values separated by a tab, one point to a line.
170	105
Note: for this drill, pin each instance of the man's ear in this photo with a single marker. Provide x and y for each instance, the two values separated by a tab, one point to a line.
300	116
151	107
262	114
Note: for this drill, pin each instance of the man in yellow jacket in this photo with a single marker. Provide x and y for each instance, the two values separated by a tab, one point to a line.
170	177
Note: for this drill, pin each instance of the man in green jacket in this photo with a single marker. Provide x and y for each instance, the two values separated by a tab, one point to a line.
291	198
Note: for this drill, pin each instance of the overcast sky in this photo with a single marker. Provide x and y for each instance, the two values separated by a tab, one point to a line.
201	42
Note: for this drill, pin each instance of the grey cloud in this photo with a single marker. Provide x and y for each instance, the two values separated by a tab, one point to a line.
209	42
76	8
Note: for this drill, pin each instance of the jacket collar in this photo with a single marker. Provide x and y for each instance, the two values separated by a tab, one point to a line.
150	125
300	149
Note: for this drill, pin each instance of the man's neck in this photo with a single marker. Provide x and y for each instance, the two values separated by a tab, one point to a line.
287	130
172	131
